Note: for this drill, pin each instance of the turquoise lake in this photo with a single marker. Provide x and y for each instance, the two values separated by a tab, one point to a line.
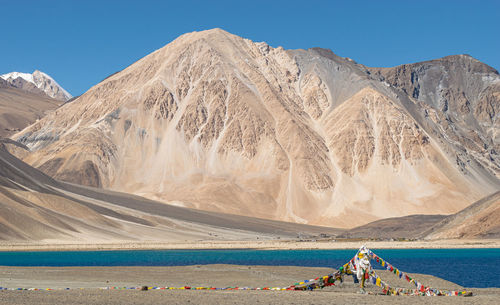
467	267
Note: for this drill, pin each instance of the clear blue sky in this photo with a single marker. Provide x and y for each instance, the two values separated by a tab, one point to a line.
79	43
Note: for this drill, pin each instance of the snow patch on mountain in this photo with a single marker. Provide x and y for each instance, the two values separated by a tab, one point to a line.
13	75
42	81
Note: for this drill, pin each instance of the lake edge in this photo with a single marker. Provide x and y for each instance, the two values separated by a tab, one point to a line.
251	245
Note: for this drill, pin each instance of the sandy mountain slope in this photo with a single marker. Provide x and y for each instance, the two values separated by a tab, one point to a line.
479	220
38	83
216	122
408	227
37	208
19	108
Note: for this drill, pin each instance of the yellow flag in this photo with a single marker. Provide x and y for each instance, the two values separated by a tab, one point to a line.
378	282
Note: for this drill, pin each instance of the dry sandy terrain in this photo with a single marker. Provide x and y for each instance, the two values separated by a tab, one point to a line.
91	279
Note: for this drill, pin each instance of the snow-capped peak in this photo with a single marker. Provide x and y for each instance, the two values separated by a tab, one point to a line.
13	75
42	81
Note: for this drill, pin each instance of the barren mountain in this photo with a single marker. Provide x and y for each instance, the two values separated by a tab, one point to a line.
479	220
37	83
19	108
216	122
461	96
408	227
37	208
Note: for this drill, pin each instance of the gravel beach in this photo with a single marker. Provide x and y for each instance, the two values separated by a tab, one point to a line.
93	279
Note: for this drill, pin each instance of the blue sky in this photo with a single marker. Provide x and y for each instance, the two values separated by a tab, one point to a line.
79	43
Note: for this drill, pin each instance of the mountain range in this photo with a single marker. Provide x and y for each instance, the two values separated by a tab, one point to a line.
216	122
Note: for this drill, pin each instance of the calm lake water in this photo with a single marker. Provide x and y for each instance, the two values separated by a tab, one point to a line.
467	267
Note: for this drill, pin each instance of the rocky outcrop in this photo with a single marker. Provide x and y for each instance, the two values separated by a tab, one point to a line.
216	122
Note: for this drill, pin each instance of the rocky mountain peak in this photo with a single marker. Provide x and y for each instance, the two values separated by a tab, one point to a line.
468	62
37	82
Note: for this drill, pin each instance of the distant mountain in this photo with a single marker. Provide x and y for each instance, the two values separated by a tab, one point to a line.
217	122
20	108
4	84
37	82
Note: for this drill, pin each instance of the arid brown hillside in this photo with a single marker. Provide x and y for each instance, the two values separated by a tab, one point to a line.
36	208
19	108
479	220
406	227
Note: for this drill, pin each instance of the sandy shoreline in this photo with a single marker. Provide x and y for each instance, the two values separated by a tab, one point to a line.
263	245
85	283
